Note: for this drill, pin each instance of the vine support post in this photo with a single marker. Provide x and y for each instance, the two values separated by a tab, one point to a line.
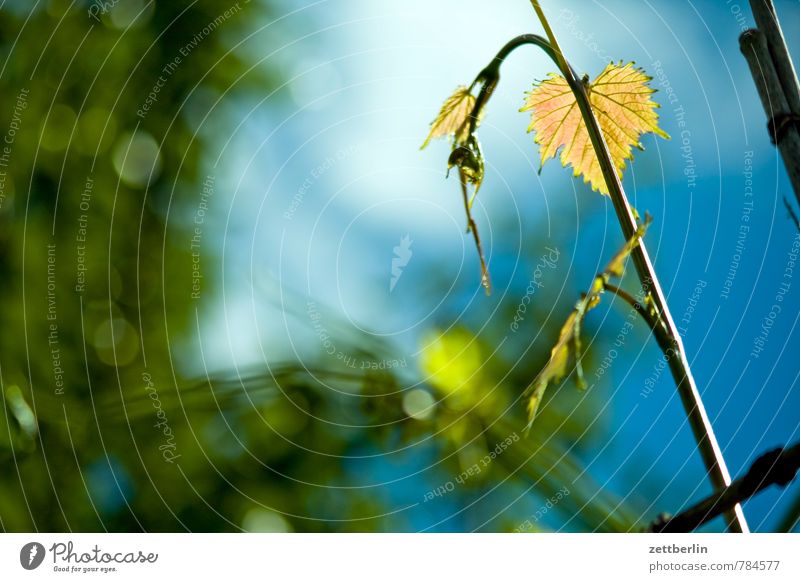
775	78
767	21
676	356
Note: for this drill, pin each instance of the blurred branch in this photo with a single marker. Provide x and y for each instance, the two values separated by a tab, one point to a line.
550	465
777	467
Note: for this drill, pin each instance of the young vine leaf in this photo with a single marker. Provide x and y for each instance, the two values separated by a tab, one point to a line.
453	119
620	97
568	347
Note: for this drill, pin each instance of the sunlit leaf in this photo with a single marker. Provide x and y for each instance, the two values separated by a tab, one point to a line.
568	348
620	98
453	119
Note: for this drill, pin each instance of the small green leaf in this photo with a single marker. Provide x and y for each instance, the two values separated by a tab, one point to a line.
568	347
456	120
453	118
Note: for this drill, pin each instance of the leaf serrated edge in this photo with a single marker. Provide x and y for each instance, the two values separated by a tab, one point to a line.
630	70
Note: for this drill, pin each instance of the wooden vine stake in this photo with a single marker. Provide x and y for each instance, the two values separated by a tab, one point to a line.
776	80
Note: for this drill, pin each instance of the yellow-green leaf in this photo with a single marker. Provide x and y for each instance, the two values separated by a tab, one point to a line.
568	347
453	119
620	98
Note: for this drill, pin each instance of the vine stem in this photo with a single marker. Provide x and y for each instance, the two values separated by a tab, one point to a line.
675	354
471	226
650	320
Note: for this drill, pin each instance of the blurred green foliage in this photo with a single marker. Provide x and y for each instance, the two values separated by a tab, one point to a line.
88	309
99	429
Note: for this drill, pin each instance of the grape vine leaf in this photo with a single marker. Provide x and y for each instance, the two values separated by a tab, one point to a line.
568	347
620	98
453	118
